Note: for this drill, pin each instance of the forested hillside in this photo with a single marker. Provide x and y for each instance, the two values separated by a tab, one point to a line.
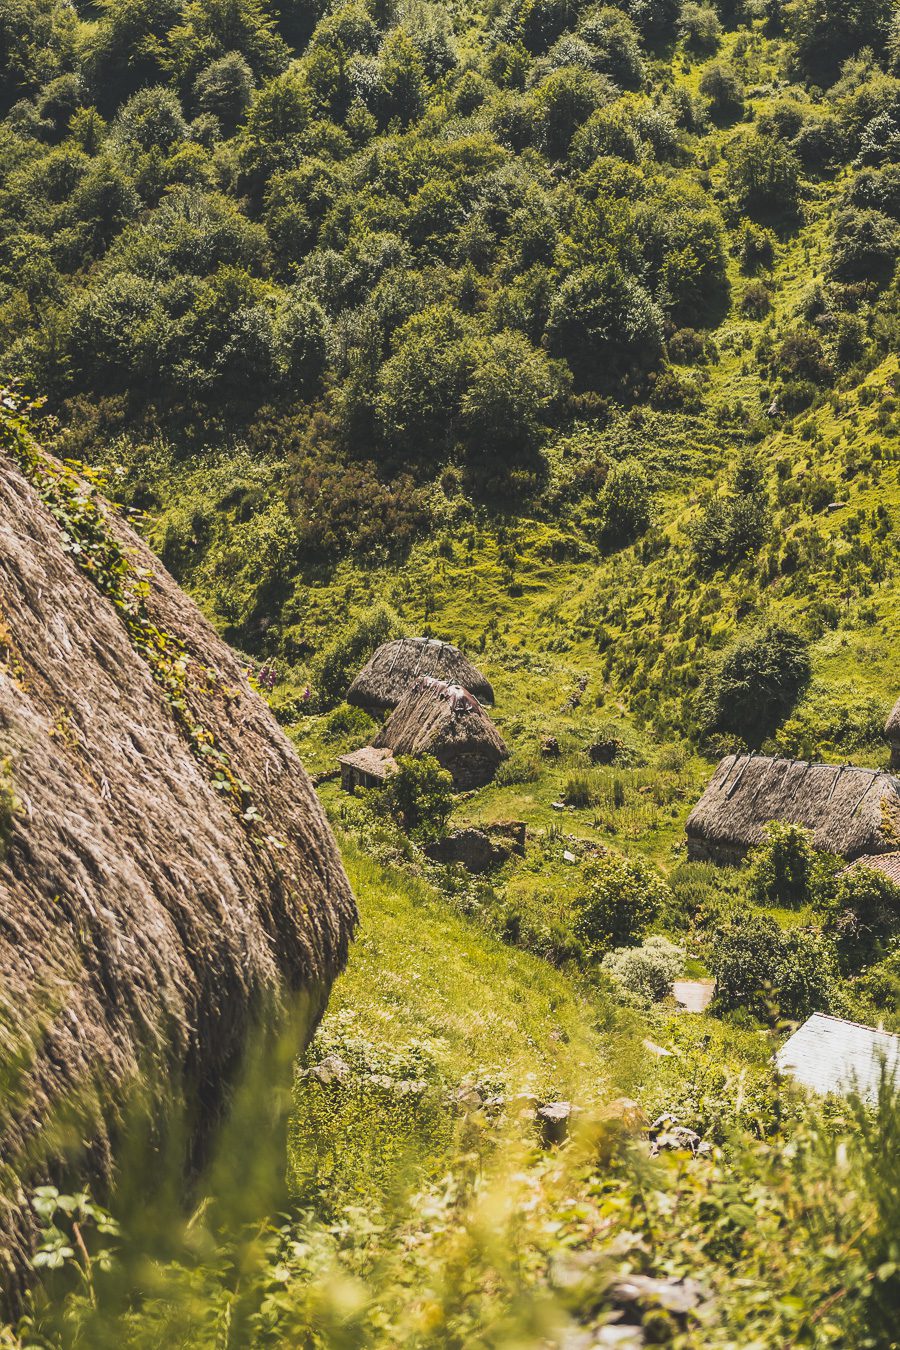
568	333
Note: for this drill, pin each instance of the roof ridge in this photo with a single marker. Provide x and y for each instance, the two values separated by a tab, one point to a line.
847	1022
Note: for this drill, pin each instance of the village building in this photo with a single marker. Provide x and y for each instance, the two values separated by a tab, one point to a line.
892	734
397	666
446	721
366	768
829	1054
849	811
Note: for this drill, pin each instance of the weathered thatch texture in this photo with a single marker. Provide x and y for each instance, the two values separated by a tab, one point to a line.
850	811
446	721
398	665
142	921
892	732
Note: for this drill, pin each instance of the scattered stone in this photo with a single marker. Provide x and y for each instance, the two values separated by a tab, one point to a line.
835	506
624	1111
472	847
557	806
667	1136
569	856
555	1120
512	834
658	1050
332	1069
550	747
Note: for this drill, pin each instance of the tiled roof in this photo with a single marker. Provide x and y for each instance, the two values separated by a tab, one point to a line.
888	863
828	1054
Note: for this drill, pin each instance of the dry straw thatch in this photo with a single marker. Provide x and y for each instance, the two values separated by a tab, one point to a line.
850	811
446	721
397	665
892	733
145	918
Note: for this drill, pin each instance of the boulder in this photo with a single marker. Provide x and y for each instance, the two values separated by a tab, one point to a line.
479	849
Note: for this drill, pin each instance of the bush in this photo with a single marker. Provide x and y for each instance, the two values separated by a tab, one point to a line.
757	682
862	915
418	797
721	86
340	662
579	791
645	972
624	507
732	527
699	27
621	899
768	973
865	247
763	178
783	869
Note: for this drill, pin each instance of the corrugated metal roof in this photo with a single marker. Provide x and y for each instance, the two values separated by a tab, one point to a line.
828	1054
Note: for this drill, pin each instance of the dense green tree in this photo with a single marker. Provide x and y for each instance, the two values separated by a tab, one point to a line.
784	869
400	91
865	247
37	44
827	32
605	324
750	691
224	89
770	974
209	29
861	908
624	508
421	385
764	177
722	87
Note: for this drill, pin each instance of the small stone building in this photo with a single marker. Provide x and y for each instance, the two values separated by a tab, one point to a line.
849	811
829	1054
366	768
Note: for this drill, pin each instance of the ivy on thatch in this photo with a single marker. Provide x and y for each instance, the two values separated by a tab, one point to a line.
168	873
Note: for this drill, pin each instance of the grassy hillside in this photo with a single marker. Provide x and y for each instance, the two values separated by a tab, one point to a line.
565	332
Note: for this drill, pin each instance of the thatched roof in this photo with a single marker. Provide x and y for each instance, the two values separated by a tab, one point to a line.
368	760
445	720
892	726
396	667
143	922
850	811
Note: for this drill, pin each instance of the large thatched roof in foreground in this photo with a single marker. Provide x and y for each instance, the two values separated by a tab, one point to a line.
142	920
397	666
446	721
850	811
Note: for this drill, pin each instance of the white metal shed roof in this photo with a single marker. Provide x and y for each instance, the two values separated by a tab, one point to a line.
831	1055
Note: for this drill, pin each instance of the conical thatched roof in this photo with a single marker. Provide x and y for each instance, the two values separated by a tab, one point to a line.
850	811
146	914
445	720
396	667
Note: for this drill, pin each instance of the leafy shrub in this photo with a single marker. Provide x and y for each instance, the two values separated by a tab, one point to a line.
862	914
347	721
340	662
732	527
763	177
624	506
783	869
756	301
767	972
622	897
750	691
418	797
646	972
865	246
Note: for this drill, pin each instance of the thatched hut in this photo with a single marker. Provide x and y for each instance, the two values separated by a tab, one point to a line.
850	811
446	721
366	768
148	915
398	665
892	734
